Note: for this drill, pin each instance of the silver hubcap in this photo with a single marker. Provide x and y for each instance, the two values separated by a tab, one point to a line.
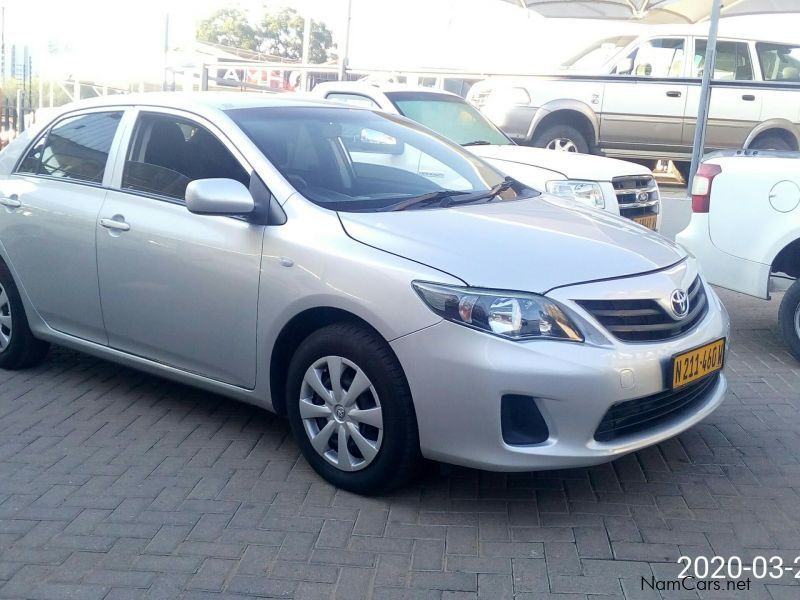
341	413
5	319
562	145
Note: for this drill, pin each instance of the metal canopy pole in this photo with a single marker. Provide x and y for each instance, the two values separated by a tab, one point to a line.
344	57
705	91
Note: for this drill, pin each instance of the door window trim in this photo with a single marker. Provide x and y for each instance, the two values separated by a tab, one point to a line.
45	134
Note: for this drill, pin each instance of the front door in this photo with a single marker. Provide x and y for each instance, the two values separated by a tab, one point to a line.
646	112
48	216
175	287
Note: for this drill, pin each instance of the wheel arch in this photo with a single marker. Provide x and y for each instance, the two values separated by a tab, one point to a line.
783	128
566	112
297	329
788	260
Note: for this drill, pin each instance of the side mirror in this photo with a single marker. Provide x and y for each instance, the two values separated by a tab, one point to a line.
221	197
624	66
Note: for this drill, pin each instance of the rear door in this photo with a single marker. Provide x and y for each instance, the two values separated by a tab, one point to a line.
647	111
49	215
179	288
735	108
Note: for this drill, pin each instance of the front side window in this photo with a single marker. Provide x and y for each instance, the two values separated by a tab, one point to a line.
733	61
76	148
448	116
779	62
598	54
167	153
359	160
658	58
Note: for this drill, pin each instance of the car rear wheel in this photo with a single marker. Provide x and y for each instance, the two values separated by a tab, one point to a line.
562	138
18	348
351	411
789	319
771	142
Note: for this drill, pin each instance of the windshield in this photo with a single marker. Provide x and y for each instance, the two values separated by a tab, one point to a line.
358	160
449	116
598	54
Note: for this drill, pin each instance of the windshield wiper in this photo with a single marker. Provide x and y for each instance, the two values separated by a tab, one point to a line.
488	195
478	143
424	199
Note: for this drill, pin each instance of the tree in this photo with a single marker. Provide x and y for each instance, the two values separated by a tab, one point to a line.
229	27
278	33
282	35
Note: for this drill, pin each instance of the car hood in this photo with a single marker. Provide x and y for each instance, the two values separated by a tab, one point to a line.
568	164
531	245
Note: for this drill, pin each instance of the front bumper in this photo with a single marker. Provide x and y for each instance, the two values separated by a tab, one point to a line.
458	377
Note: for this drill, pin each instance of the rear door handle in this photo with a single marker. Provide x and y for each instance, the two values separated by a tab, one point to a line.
749	98
673	94
11	201
115	224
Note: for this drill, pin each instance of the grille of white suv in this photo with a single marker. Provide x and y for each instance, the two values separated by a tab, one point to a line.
646	320
637	195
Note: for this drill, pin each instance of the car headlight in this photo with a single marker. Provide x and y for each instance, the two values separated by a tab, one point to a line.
587	192
511	315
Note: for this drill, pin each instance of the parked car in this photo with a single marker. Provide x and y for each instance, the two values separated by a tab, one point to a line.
745	228
260	247
638	97
619	187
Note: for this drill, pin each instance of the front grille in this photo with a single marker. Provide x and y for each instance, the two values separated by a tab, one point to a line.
638	415
637	195
480	98
647	320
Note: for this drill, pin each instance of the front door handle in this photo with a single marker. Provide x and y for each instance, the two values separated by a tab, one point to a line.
673	94
11	201
115	224
749	98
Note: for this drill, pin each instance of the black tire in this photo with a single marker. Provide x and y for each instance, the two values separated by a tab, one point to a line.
23	350
771	142
788	317
684	168
398	456
549	135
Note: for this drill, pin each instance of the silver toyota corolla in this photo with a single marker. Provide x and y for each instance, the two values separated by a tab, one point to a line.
392	294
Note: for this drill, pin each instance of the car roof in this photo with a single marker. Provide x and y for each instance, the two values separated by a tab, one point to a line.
199	101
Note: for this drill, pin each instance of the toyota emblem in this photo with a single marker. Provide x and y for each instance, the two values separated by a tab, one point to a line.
642	197
680	303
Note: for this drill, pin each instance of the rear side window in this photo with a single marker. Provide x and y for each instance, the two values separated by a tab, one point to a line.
76	148
779	62
167	153
733	61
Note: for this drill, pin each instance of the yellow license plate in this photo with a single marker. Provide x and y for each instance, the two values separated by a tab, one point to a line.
650	221
696	364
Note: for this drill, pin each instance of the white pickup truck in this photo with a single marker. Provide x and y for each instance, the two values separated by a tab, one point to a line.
617	186
745	228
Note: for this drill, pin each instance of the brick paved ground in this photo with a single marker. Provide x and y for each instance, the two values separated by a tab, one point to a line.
119	485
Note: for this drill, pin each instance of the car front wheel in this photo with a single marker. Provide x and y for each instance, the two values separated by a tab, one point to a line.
789	319
351	411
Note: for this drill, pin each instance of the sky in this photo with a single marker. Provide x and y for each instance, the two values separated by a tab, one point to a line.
123	40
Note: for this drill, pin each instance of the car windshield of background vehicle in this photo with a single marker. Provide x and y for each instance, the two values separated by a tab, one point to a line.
733	61
449	116
779	62
357	160
598	54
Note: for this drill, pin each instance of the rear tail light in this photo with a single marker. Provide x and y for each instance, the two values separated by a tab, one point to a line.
701	187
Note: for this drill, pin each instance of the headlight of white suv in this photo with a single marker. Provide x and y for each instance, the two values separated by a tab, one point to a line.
587	192
512	315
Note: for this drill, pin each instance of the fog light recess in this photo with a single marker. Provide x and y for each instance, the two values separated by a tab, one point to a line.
521	421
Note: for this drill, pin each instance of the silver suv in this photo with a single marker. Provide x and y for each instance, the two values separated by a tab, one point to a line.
264	249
